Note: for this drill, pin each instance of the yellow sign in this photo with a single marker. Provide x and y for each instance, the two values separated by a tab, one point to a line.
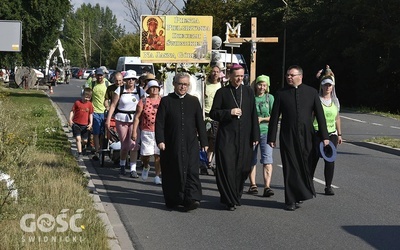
176	39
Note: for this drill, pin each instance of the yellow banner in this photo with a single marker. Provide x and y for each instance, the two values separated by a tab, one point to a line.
176	39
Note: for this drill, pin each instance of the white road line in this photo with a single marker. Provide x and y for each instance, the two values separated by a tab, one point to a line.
395	127
377	124
356	120
316	179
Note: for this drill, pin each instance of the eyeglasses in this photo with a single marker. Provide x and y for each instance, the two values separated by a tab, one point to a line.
292	75
183	84
131	79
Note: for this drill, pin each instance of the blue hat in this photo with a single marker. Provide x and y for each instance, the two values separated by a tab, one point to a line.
329	152
99	71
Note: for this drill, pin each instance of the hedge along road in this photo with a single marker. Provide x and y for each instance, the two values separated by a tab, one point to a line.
362	215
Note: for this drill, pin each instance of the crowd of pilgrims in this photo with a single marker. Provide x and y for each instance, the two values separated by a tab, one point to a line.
226	133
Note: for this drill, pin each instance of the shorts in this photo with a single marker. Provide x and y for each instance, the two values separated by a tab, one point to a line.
80	130
98	123
148	144
265	152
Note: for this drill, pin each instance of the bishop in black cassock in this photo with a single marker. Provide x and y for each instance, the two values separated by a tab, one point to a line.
235	110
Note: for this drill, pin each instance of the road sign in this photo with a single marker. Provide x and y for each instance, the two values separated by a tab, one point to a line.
12	32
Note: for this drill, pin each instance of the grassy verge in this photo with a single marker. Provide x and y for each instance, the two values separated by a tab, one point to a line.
387	141
54	209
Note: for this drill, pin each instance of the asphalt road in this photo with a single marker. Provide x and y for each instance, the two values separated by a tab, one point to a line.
364	213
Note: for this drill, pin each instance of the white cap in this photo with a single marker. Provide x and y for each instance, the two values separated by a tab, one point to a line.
130	74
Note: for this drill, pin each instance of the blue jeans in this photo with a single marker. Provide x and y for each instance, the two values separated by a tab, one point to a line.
265	151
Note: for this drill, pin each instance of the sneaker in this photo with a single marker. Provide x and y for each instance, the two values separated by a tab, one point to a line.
157	180
145	173
134	174
122	170
96	156
268	192
80	157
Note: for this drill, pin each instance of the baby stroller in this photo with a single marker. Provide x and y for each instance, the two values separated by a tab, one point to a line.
111	144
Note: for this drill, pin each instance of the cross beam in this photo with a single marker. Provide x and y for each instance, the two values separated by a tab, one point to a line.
253	40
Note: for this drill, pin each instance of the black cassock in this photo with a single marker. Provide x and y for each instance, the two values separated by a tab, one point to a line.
234	141
297	107
180	125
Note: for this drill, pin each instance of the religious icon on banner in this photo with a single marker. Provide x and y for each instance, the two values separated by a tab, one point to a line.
153	33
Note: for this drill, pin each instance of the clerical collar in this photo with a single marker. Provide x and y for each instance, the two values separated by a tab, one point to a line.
237	86
180	96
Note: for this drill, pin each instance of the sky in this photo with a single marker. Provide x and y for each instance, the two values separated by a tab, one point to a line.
117	8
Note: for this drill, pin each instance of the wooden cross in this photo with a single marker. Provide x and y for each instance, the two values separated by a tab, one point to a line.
253	40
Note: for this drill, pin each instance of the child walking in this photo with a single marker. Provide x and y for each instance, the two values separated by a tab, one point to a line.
81	119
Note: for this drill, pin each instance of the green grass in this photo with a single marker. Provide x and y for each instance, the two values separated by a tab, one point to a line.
35	152
375	112
387	141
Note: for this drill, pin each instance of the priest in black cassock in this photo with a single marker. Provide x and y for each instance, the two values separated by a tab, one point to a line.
235	110
179	127
298	104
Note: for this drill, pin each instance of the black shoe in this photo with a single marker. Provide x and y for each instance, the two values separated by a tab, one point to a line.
203	171
329	191
298	203
192	205
230	207
268	192
96	157
290	207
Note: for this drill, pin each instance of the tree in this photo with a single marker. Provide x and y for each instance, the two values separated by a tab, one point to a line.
89	31
128	45
156	7
40	29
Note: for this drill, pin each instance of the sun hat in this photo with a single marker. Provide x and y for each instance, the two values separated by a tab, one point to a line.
105	70
329	152
149	76
152	83
129	74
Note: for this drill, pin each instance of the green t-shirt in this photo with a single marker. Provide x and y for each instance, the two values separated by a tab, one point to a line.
330	116
264	107
211	89
99	91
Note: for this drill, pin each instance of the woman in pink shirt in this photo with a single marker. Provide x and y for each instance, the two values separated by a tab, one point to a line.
145	117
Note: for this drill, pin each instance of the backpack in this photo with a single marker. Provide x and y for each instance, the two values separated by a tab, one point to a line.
131	112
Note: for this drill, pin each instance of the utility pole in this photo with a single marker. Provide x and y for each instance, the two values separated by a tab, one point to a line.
284	44
84	43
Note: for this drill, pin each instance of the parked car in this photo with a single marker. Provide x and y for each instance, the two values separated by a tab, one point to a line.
77	73
87	73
